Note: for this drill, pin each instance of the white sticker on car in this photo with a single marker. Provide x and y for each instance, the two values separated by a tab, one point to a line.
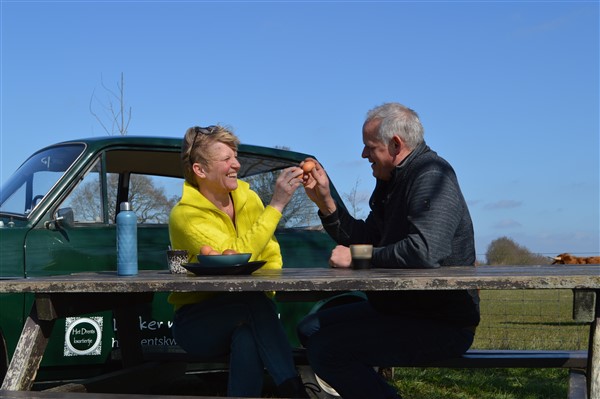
83	336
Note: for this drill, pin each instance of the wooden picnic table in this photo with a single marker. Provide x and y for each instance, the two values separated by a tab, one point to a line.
61	296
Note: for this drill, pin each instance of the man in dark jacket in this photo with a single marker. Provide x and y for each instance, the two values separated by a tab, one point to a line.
418	219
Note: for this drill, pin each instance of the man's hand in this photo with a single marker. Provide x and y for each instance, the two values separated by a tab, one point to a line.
340	257
316	185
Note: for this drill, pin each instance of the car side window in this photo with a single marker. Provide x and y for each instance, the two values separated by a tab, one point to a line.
300	212
153	197
85	200
152	185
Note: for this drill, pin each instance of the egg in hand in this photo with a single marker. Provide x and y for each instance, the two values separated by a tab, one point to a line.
308	166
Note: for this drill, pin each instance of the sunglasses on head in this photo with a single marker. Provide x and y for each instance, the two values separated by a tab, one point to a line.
204	130
201	130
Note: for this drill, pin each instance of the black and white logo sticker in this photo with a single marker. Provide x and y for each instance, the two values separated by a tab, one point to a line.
83	336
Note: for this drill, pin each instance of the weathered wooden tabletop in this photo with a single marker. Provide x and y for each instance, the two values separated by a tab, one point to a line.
322	279
54	295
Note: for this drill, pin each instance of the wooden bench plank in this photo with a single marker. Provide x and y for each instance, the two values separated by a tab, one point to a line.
479	358
474	358
78	395
128	380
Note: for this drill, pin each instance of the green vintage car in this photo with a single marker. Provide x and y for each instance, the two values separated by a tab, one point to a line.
57	216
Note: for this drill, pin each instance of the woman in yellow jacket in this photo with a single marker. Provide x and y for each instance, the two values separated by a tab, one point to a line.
218	210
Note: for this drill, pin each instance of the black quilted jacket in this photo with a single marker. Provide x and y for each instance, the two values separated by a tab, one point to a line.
418	219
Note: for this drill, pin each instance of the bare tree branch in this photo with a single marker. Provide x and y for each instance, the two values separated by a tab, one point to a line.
119	118
96	115
355	198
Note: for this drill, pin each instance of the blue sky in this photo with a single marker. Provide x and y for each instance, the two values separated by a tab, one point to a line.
508	91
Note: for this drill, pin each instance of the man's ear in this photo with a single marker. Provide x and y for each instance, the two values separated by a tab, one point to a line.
396	145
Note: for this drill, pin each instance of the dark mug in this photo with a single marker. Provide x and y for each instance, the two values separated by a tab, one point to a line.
361	255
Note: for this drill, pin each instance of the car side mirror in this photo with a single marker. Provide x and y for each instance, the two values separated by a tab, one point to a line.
64	218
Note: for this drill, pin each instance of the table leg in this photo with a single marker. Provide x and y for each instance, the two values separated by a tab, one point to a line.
593	374
593	371
28	354
129	334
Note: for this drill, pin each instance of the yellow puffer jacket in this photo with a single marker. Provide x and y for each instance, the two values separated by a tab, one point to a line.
195	221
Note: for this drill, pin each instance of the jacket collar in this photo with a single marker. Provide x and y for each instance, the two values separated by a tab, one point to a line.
403	167
383	189
192	197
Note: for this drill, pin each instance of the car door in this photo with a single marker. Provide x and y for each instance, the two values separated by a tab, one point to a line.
80	236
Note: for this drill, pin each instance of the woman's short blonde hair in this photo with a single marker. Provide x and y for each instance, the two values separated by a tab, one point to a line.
196	141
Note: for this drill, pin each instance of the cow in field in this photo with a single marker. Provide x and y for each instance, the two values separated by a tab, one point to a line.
568	259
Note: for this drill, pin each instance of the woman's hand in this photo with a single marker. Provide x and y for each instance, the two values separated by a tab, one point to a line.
288	181
316	185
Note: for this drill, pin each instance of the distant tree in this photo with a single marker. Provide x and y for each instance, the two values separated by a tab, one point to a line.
299	212
354	199
504	251
149	201
117	117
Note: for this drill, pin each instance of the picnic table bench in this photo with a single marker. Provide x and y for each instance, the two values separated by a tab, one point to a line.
59	296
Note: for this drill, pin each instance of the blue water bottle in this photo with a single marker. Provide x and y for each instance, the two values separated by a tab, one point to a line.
127	260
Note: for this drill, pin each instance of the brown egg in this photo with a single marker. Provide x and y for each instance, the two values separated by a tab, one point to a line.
230	252
213	252
205	250
308	166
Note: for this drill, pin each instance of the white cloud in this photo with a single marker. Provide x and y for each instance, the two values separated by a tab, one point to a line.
507	224
503	204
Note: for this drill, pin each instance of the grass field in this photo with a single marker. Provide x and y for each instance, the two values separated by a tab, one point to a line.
519	319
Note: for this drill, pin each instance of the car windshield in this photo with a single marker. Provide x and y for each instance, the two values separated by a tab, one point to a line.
34	179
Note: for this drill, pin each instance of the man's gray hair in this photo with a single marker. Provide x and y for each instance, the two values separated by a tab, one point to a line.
396	119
